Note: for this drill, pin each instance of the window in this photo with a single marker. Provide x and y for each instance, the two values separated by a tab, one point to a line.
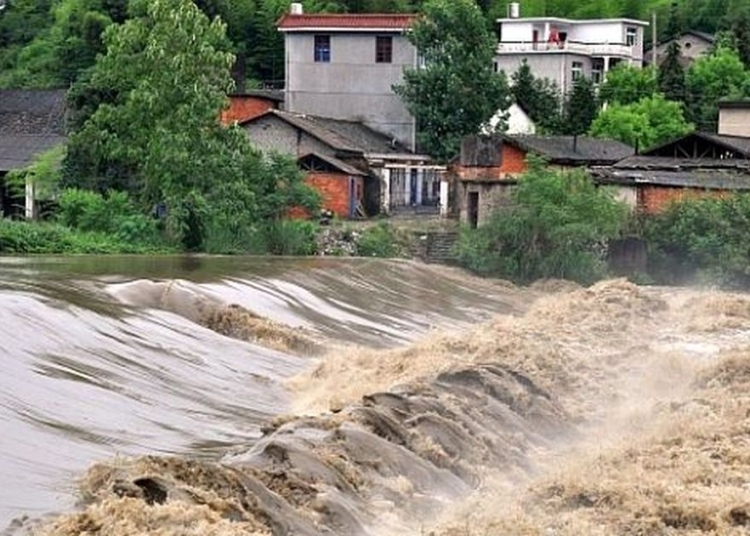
631	36
323	48
383	49
494	66
597	70
577	70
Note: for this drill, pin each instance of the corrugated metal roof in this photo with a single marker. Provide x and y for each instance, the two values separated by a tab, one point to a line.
333	21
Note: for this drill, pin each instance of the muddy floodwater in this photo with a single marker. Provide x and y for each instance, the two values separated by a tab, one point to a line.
226	395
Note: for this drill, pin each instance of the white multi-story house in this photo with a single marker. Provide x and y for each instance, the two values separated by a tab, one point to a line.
563	49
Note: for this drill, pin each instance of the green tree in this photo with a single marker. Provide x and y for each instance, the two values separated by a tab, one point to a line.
165	76
539	97
456	91
674	26
711	78
581	107
672	75
741	31
626	84
555	228
646	123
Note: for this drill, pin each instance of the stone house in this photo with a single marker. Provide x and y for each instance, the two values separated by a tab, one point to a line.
393	179
31	123
489	166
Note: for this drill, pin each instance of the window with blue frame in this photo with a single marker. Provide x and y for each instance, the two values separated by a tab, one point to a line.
322	48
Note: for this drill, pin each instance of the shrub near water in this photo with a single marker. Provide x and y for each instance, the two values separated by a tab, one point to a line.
558	227
705	239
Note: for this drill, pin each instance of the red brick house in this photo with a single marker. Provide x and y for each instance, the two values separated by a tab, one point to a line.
341	186
489	166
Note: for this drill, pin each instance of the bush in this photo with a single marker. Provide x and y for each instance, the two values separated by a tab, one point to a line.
378	241
48	238
701	239
114	214
558	226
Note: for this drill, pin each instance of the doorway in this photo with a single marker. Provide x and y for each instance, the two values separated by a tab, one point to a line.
473	209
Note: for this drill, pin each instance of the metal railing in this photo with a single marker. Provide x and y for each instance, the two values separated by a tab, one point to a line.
590	49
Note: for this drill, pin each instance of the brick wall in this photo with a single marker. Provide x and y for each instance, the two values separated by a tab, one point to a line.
513	163
334	191
244	107
492	197
270	133
654	199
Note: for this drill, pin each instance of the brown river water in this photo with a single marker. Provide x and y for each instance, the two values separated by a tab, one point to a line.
225	395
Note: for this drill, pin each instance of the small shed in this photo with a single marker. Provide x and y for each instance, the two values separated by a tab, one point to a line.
341	185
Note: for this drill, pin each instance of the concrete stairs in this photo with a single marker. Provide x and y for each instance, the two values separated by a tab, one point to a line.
435	246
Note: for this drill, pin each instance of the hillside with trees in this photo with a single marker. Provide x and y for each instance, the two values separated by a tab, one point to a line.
50	43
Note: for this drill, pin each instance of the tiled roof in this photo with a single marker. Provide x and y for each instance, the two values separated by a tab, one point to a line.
31	122
737	144
561	150
18	151
335	21
670	163
713	179
341	136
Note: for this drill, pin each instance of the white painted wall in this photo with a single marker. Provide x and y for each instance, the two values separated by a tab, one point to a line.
516	31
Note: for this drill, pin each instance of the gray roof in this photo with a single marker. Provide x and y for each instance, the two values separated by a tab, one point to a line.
342	136
736	144
704	179
560	149
669	163
31	122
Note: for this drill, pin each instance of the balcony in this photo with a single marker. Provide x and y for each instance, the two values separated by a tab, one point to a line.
575	47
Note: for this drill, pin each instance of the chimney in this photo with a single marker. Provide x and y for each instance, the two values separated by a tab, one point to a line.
514	10
296	8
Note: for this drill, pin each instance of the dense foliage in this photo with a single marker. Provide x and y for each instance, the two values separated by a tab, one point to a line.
456	91
155	132
651	121
558	226
702	240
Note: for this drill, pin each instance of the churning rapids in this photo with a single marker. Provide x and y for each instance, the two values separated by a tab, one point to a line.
235	396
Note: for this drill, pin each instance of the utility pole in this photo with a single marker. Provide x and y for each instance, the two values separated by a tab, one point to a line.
654	42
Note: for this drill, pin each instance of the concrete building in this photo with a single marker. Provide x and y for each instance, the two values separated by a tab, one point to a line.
563	49
343	66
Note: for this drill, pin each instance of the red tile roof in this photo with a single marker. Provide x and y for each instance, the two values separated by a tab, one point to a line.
334	21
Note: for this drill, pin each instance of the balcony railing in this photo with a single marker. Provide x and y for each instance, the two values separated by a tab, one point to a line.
589	49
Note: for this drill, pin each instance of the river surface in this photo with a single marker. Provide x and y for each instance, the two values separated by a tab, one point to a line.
102	356
230	396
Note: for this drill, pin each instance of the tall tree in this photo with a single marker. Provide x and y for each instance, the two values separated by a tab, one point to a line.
741	31
672	74
580	107
674	26
539	97
457	91
164	79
